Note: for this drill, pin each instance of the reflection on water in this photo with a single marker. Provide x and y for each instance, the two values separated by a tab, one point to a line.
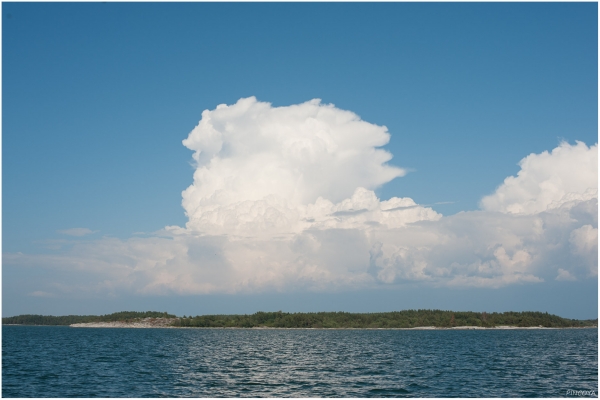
62	362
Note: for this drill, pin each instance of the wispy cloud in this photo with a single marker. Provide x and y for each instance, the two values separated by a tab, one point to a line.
77	231
40	293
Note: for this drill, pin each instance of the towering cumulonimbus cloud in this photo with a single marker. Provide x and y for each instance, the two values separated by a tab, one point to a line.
282	199
263	170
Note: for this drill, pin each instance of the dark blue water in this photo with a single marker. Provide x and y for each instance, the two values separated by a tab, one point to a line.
43	361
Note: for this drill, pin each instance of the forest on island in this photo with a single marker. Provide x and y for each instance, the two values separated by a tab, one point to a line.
78	319
396	319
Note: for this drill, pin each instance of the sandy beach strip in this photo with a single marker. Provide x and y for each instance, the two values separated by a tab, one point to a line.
166	323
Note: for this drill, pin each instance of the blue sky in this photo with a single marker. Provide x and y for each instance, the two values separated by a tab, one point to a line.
98	97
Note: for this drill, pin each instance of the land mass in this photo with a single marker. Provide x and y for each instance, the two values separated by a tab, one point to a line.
407	319
124	316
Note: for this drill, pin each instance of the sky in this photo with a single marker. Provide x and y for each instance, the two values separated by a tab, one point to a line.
203	158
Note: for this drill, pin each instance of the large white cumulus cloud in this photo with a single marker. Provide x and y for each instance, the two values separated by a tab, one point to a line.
548	180
264	170
282	199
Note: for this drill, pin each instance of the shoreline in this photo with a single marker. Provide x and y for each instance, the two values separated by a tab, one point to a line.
146	325
95	325
423	328
158	322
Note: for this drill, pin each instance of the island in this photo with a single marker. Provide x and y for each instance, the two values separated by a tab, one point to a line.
407	319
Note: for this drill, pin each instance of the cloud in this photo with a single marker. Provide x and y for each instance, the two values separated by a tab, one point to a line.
584	245
77	231
469	249
584	240
39	293
564	275
484	249
568	174
282	199
264	169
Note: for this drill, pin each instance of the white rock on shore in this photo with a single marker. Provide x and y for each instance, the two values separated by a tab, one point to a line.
137	323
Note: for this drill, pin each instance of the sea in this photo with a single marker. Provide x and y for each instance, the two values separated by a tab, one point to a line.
57	361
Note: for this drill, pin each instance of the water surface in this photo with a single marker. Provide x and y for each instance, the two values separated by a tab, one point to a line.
45	361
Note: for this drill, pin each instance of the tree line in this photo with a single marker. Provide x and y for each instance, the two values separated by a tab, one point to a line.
396	319
77	319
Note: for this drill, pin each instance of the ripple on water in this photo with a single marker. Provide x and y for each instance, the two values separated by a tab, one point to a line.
69	362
